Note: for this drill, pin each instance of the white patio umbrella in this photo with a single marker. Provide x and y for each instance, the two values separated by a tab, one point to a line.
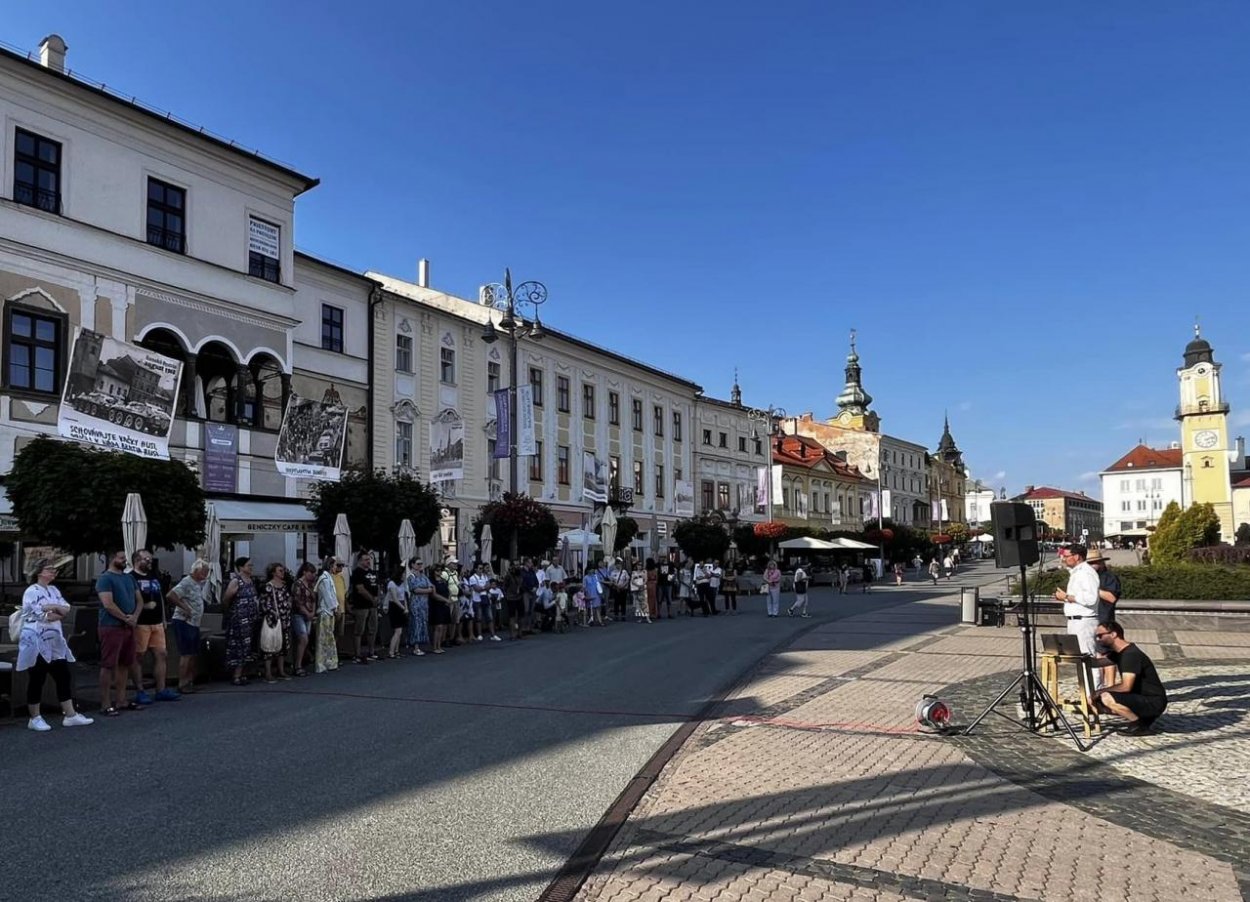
566	555
211	550
134	525
343	541
607	530
488	546
435	548
407	542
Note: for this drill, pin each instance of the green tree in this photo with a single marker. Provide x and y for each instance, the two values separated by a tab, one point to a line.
749	544
1180	531
72	497
1243	534
532	521
376	504
700	538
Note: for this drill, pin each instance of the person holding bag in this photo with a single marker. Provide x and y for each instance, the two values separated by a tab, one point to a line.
275	610
239	603
42	649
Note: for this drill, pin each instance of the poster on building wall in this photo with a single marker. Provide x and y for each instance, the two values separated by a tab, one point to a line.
503	425
887	503
683	498
447	446
312	438
118	396
595	478
761	488
526	440
221	456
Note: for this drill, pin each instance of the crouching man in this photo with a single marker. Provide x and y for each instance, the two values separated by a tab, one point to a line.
1138	696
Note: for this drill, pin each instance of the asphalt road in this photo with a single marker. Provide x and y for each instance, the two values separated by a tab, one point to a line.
473	775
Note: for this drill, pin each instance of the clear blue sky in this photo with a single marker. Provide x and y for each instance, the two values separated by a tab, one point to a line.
1021	208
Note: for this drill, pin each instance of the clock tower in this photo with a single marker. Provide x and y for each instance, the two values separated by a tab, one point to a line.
1203	415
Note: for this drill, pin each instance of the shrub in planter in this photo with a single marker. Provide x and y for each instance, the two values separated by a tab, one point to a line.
1180	582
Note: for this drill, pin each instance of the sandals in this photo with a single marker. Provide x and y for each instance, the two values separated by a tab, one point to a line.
301	672
239	681
111	711
132	706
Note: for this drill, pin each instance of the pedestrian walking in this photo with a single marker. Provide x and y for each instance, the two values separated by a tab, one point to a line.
303	614
868	575
844	577
729	587
327	657
772	585
239	604
948	566
935	570
42	649
187	599
800	593
898	573
275	610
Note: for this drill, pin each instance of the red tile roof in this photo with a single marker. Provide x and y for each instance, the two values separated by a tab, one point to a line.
1243	484
1145	458
802	451
1037	494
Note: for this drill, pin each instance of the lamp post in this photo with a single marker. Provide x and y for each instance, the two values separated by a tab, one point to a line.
515	304
772	418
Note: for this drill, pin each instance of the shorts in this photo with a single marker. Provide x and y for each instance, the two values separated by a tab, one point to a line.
186	638
485	611
117	646
365	621
516	607
149	635
299	626
1146	707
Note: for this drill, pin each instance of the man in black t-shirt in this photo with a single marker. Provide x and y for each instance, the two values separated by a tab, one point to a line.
362	597
1139	696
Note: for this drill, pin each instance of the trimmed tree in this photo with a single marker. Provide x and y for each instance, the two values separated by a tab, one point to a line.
700	538
532	521
72	497
1181	531
1243	534
376	504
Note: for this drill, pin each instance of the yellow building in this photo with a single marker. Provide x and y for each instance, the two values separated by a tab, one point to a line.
1205	448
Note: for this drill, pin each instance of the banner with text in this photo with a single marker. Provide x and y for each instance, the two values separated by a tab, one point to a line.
503	425
761	488
526	442
221	457
594	478
683	498
117	395
312	438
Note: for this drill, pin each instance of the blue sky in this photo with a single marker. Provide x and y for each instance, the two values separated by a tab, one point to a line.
1021	208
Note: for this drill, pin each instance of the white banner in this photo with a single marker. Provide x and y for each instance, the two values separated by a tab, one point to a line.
761	488
447	446
263	238
935	511
594	478
870	506
886	509
526	445
312	438
119	396
777	494
683	498
946	514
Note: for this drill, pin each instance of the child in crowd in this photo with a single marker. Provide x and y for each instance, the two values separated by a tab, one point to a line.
579	605
562	608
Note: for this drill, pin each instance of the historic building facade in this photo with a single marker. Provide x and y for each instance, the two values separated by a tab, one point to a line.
1137	488
729	452
1207	454
1073	516
817	487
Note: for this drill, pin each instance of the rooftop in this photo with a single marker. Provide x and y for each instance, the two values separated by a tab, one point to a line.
1146	458
802	451
1040	493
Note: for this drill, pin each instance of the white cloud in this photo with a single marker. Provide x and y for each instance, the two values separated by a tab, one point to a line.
1245	358
1001	474
1089	476
965	405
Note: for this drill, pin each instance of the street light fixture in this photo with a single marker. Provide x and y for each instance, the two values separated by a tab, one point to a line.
516	303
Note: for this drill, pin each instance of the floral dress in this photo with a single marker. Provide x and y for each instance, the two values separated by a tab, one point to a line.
418	631
242	623
275	607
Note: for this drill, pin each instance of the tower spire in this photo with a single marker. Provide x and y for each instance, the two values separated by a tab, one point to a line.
735	394
853	397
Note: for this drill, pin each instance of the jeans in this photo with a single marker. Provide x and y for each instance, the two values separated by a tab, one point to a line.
774	600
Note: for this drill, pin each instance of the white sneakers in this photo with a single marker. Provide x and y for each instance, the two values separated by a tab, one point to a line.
495	639
39	725
478	639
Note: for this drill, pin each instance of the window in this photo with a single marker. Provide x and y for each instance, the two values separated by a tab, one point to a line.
588	401
37	172
403	444
167	221
447	366
536	463
562	393
536	381
614	408
1141	485
785	498
759	448
815	505
722	496
562	464
1126	507
638	475
707	436
1125	485
677	473
708	491
492	375
637	414
263	244
1141	504
403	353
1156	483
492	462
742	444
33	350
332	328
659	480
614	472
676	426
723	440
657	417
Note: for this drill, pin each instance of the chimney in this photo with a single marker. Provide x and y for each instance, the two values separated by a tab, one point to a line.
1240	450
423	273
52	52
1028	490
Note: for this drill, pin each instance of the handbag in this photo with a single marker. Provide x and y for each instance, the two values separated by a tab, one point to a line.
15	624
270	636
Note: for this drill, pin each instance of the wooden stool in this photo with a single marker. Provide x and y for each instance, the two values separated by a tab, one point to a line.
1083	705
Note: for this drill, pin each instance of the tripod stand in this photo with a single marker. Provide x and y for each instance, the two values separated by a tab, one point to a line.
1032	690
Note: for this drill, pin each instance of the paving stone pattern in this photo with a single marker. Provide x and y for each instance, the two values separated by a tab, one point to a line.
830	791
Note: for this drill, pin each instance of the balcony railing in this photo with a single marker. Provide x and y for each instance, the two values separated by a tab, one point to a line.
167	238
1194	410
40	198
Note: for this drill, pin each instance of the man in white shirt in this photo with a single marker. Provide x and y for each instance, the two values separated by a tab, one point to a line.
1080	601
555	575
714	574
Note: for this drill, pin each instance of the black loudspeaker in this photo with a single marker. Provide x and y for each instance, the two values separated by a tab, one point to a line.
1015	533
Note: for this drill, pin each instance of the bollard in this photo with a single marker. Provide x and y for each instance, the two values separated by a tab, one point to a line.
969	599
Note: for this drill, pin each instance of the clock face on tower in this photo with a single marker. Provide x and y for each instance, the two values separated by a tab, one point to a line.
1206	439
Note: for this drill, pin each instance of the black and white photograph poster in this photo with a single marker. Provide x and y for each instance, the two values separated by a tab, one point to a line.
447	446
683	498
594	478
119	396
312	438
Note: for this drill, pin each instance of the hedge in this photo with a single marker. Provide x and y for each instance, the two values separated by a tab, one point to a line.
1180	582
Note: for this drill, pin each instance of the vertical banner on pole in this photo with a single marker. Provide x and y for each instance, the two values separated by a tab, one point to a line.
526	443
503	425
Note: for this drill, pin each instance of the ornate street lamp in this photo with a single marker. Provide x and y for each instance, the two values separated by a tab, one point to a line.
771	420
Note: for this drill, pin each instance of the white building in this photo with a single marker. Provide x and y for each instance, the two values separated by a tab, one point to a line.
432	364
729	451
124	221
977	503
1138	487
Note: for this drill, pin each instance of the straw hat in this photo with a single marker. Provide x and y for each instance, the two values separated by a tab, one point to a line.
1095	555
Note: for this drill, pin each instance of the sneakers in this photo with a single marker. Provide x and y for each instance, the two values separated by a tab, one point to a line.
168	695
478	639
142	698
38	724
495	639
77	720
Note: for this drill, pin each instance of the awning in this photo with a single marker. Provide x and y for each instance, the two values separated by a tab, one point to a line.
246	518
807	543
852	545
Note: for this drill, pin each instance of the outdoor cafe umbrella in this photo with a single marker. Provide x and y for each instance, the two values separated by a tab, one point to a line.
342	541
211	550
607	530
488	546
134	525
566	555
435	548
407	542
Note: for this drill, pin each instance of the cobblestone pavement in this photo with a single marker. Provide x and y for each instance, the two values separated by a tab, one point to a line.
814	782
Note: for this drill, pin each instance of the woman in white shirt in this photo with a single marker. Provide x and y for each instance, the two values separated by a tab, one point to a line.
800	592
42	649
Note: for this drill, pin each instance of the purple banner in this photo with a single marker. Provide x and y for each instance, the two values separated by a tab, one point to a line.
503	425
221	455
